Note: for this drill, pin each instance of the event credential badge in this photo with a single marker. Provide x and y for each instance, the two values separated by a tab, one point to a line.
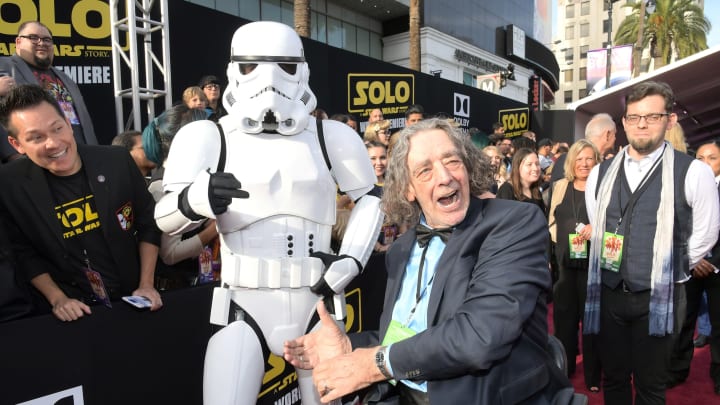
611	254
578	246
395	333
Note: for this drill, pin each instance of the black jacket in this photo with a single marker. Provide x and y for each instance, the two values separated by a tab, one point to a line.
26	208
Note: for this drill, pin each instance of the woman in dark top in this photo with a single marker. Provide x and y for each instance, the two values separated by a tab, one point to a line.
524	183
378	157
570	231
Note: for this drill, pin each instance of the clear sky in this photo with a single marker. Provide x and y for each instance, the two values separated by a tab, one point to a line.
712	12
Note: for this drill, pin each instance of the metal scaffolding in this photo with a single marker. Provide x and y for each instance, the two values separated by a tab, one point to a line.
138	26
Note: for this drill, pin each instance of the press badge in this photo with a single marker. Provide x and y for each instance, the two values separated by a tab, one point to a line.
611	254
578	246
205	274
97	286
395	333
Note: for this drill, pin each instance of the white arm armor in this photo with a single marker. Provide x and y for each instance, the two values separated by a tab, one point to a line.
170	218
195	149
360	235
354	175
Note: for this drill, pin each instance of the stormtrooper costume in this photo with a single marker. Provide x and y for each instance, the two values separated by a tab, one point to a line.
275	227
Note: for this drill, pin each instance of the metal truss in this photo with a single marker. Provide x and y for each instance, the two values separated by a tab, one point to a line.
139	65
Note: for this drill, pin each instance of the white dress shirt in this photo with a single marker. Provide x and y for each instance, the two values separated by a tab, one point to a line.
700	194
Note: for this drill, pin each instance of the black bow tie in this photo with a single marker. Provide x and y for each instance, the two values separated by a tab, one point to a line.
424	234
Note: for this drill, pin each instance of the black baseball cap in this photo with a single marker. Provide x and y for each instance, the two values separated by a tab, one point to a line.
209	79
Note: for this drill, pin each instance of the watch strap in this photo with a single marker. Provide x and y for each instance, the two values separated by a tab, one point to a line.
380	359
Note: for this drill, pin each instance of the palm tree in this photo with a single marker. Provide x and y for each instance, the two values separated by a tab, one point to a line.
674	28
414	52
301	14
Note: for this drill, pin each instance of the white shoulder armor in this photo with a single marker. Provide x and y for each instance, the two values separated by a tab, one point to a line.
194	149
348	155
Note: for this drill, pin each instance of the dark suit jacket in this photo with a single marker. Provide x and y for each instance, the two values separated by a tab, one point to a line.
715	252
22	74
27	209
487	337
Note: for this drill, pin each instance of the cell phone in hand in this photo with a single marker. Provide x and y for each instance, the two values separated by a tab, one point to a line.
138	301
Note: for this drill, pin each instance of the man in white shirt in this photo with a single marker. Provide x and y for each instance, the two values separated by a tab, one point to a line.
653	220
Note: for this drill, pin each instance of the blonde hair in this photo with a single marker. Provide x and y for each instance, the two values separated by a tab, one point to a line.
371	131
676	137
342	218
194	91
573	153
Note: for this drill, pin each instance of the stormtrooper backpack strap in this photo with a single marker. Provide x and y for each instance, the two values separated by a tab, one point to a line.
321	139
223	152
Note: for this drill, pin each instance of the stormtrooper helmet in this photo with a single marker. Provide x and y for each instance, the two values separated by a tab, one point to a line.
268	76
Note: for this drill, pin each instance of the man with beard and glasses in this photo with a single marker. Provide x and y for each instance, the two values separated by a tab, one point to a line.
32	64
654	216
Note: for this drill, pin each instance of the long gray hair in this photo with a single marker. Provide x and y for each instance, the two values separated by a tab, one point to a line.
397	208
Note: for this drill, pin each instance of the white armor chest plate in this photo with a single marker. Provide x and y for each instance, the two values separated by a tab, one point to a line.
291	194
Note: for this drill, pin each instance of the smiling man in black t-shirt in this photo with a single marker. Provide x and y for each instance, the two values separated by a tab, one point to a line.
81	216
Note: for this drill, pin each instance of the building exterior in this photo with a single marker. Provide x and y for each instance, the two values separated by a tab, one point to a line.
583	27
460	40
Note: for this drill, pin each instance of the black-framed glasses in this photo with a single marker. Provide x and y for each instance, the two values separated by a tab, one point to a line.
37	40
633	119
212	86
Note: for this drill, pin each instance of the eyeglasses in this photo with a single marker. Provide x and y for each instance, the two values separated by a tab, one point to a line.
212	86
633	119
37	40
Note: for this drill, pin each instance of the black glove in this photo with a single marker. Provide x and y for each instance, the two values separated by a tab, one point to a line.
222	189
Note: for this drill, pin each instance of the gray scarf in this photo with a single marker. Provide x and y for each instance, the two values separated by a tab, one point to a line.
661	292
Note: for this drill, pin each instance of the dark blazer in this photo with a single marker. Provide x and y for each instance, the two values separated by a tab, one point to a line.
27	208
487	315
22	74
715	252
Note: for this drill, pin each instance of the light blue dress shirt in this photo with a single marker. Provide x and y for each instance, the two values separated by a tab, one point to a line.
406	300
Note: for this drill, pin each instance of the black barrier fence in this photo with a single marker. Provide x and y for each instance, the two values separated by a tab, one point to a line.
126	356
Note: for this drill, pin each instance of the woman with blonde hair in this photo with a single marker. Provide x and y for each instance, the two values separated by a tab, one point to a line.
378	132
570	231
676	136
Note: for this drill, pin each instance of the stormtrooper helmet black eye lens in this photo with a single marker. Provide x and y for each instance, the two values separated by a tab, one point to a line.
289	68
247	68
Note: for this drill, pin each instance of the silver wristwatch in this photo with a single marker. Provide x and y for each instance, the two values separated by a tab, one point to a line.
380	356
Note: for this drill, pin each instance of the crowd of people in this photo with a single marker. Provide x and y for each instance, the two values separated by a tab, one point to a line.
621	240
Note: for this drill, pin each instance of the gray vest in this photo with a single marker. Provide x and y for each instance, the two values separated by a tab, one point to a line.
638	226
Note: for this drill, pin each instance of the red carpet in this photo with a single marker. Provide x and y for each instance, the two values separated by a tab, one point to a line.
697	390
